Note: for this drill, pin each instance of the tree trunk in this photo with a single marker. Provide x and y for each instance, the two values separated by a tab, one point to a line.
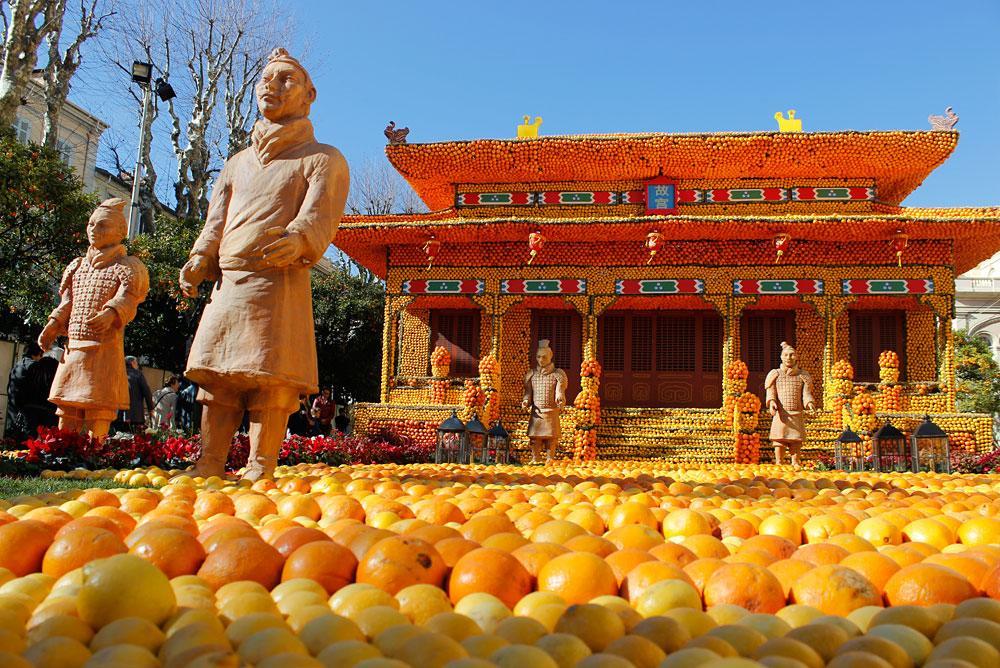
20	53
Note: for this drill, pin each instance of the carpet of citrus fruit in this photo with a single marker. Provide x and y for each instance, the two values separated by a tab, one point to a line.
613	564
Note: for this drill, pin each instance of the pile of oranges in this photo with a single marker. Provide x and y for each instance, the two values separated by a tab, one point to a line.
608	564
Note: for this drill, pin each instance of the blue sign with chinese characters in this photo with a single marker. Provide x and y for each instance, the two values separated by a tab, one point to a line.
661	197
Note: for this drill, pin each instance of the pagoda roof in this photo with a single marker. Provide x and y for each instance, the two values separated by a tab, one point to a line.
975	232
898	161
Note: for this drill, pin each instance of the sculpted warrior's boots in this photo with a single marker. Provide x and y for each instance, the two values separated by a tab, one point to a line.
218	423
267	429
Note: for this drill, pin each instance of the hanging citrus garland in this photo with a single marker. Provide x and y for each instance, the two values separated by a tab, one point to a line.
736	384
781	243
745	419
843	388
863	417
440	366
899	243
535	242
489	384
588	408
654	241
473	399
431	249
888	373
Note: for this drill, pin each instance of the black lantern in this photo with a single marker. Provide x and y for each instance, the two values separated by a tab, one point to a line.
850	451
475	439
889	449
498	444
450	441
929	446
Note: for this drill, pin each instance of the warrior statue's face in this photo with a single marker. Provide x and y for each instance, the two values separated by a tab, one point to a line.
544	356
282	92
104	230
789	358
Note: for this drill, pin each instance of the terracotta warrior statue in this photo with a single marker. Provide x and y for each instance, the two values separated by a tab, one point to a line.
789	395
274	210
545	396
99	293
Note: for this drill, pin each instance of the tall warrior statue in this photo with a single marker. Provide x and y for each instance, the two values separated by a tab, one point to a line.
99	293
545	396
789	394
274	210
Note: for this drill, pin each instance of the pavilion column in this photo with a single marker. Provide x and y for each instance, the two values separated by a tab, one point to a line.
390	339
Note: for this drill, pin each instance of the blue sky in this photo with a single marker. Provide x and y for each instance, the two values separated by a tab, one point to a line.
462	70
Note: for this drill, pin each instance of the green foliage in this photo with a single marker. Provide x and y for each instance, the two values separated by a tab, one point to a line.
167	320
43	221
348	310
977	375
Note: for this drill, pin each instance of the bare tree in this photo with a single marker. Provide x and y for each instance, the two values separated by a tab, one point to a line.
377	190
25	28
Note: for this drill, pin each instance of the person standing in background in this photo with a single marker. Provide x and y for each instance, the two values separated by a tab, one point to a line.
165	404
42	412
19	394
138	394
324	409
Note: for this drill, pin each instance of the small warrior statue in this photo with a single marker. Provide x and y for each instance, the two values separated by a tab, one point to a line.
545	396
99	293
789	394
274	210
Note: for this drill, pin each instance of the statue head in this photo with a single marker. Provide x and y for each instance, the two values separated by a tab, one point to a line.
107	225
789	358
544	354
285	89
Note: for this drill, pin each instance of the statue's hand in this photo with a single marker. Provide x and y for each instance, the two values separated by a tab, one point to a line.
525	404
772	407
192	274
103	321
811	407
48	335
287	248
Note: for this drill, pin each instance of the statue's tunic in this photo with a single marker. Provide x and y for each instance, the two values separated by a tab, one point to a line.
257	330
91	376
791	389
543	386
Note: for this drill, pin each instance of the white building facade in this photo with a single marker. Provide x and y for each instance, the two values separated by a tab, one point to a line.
977	302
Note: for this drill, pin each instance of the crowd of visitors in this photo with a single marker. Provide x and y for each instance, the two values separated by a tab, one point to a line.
28	406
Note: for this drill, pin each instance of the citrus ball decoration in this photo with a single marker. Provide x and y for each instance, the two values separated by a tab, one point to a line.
123	586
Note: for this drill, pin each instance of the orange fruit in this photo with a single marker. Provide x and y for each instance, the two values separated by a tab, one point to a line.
75	548
980	531
788	571
877	568
927	584
820	554
535	555
23	545
173	551
835	590
212	503
95	497
700	570
746	585
577	577
673	553
646	574
777	546
126	523
622	561
294	538
489	571
452	549
400	561
332	566
243	558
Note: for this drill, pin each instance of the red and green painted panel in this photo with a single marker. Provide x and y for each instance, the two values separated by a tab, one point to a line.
543	286
659	286
740	195
443	286
887	286
496	199
577	197
778	286
840	194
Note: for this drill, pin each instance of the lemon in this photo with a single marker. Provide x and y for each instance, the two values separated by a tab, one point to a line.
124	586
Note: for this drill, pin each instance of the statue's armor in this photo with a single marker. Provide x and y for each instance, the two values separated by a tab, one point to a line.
543	389
789	392
92	288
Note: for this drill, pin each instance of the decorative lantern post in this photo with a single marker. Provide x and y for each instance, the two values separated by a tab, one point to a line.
431	249
654	241
498	444
889	449
899	243
781	243
450	440
929	445
850	451
535	242
475	451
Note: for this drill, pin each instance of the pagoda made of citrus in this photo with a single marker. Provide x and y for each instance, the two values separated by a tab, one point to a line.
675	265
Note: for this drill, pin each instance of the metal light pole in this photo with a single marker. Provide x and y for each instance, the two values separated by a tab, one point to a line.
133	212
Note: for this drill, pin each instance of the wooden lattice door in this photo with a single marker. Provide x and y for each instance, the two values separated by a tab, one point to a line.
760	343
871	333
458	332
564	330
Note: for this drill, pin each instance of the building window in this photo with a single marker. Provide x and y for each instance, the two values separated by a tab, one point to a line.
458	332
22	130
65	150
871	333
563	329
760	346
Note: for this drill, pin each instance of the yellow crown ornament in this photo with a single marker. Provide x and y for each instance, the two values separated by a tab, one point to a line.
790	124
527	129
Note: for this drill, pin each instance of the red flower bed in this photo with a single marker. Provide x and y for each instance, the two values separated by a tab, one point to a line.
65	450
